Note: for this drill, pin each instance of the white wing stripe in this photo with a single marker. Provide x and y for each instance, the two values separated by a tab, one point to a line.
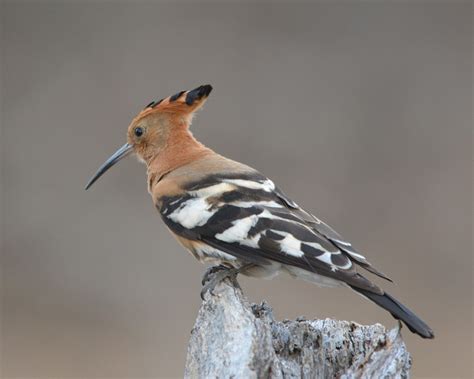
213	190
266	185
249	204
192	213
291	246
239	231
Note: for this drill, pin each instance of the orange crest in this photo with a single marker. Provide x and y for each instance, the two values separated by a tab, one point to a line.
182	104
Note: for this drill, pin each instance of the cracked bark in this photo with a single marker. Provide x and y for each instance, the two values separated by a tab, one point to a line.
235	339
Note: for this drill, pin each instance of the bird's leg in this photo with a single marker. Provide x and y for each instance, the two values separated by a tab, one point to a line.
208	274
216	274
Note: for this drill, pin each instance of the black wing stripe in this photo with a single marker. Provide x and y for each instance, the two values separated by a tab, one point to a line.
310	250
224	217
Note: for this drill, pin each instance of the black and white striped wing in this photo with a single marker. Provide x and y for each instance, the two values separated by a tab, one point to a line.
252	220
325	230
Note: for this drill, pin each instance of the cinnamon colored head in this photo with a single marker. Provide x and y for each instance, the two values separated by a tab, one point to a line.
162	125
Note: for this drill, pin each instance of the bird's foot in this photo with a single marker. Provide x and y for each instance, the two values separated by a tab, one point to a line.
216	274
210	271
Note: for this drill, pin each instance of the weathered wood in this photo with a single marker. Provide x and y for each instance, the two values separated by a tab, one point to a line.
234	339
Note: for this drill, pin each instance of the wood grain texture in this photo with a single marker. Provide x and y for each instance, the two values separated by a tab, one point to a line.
235	339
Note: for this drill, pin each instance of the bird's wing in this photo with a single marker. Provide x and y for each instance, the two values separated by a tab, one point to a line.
249	218
324	229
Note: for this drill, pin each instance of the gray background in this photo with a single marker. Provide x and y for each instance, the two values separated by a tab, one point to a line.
361	112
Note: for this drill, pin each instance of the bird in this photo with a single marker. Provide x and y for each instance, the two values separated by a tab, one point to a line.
230	215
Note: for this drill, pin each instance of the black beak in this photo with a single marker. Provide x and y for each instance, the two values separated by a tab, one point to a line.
118	155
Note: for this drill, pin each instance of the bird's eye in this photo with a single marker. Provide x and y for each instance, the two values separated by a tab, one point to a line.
138	131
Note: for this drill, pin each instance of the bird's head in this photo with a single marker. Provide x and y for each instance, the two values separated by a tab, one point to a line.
150	131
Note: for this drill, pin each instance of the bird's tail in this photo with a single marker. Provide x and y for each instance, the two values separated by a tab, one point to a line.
399	311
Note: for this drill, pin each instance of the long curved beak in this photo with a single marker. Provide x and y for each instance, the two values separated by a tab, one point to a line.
118	155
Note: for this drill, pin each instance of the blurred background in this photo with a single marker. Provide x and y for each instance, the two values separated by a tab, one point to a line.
361	113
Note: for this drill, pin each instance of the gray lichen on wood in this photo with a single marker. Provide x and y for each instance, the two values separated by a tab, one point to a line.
234	339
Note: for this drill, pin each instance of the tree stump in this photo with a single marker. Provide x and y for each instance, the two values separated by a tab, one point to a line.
235	339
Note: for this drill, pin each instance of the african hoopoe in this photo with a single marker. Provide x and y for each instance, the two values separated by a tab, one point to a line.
227	213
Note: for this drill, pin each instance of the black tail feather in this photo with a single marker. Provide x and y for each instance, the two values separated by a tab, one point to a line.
399	311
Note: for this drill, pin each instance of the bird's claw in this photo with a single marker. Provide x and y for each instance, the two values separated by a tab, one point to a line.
216	274
210	271
213	276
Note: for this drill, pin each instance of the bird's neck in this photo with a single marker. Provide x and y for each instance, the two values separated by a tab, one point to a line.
181	148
